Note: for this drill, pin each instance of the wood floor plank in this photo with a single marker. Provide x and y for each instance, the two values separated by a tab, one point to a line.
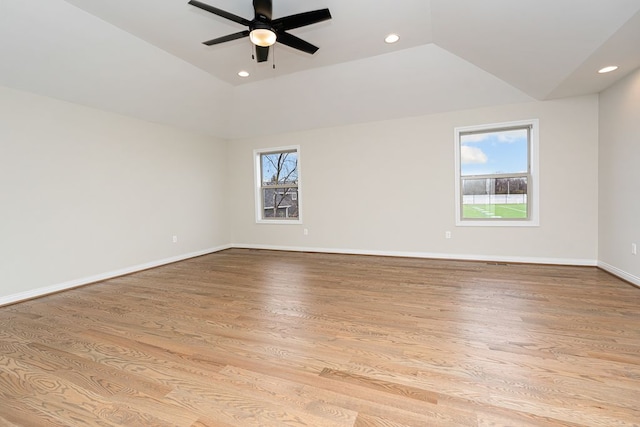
265	338
381	385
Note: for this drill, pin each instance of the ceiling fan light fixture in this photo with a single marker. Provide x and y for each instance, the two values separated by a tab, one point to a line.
262	37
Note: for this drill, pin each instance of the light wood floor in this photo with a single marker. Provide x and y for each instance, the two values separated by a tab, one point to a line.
260	338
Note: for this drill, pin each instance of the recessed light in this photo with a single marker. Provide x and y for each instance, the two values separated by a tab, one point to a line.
391	38
608	69
243	73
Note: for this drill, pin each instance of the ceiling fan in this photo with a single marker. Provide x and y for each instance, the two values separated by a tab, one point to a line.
264	31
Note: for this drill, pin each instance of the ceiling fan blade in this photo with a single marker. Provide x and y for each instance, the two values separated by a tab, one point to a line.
301	19
263	8
228	38
262	53
296	43
220	12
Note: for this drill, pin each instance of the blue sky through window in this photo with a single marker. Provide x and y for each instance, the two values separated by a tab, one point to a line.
283	164
494	152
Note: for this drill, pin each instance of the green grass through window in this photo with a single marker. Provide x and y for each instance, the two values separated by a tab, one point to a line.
508	210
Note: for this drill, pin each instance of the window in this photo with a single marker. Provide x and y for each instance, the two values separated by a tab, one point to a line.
496	174
278	185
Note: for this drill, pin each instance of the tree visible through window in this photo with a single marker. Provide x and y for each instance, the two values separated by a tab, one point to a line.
278	186
494	173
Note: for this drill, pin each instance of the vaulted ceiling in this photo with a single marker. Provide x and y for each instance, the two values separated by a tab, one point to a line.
145	58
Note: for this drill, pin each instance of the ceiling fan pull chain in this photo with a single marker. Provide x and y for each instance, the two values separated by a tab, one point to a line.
273	56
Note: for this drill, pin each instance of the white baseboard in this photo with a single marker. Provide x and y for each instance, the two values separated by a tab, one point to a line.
35	293
634	280
22	296
464	257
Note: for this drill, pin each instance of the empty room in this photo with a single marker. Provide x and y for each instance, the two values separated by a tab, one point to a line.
319	213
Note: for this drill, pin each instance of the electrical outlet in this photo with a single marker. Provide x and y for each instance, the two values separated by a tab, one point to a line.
305	231
447	234
175	239
634	249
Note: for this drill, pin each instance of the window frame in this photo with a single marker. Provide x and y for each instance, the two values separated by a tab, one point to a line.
533	187
259	202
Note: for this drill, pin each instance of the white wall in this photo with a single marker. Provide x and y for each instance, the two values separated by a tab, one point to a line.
85	194
619	189
388	187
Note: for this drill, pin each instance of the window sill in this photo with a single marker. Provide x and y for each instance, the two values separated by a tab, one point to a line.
279	221
497	223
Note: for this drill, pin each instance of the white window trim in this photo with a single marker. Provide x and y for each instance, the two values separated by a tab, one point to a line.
534	186
258	185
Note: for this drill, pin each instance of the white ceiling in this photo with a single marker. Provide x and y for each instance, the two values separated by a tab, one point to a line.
144	58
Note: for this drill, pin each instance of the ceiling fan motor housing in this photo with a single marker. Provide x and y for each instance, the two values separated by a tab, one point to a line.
260	25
